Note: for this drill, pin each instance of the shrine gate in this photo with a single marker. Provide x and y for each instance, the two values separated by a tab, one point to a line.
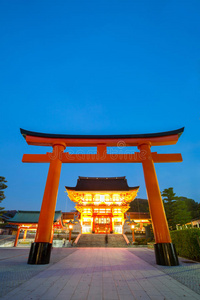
41	249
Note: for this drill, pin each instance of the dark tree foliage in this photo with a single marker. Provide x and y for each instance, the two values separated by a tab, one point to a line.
169	198
192	206
179	210
139	205
3	186
181	214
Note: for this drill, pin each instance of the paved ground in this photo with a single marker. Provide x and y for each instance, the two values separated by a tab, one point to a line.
14	269
7	240
94	273
188	273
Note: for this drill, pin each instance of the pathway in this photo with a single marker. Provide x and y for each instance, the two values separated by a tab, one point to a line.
100	274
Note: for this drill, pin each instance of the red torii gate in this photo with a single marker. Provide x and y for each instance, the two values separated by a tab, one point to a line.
41	249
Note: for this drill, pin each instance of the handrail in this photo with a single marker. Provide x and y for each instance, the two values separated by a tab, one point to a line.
126	239
77	239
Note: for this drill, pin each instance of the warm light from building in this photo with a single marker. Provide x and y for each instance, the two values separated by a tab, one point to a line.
116	197
102	212
97	198
117	211
102	198
88	198
87	211
87	219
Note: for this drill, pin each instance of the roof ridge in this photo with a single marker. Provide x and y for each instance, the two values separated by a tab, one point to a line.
104	136
34	211
101	178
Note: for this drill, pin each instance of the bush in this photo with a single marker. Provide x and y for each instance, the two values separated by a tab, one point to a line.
150	240
140	241
186	242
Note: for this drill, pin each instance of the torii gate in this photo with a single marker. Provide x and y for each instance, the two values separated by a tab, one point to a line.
41	249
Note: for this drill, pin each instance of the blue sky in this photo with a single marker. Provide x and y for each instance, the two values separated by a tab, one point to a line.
98	67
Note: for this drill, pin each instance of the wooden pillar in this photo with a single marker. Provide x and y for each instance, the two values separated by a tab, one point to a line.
113	227
17	237
52	233
110	224
159	221
133	235
93	220
165	252
92	223
25	232
70	234
41	249
141	226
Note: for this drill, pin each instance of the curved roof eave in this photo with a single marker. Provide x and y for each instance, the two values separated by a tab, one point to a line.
134	188
121	136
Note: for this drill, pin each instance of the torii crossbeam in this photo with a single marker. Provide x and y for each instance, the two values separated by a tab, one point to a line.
41	248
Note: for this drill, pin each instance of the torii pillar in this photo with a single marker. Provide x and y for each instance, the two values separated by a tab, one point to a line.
41	249
164	249
17	236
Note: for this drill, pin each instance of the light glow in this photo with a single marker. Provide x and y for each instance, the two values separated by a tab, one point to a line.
102	212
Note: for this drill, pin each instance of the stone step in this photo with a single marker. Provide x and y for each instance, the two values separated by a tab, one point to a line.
98	240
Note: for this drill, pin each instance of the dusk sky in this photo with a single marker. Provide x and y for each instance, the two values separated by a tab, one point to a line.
98	67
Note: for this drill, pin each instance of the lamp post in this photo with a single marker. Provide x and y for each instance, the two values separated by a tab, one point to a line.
70	231
132	224
133	234
70	223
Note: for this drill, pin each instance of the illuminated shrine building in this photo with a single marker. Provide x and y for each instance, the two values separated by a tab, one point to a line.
102	203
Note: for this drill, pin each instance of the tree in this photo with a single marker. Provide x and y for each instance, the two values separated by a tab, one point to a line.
181	214
139	205
179	210
169	201
192	206
3	186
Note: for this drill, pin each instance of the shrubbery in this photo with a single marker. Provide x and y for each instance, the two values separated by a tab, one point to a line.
140	241
186	242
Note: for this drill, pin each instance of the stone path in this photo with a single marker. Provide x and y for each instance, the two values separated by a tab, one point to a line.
100	273
188	272
15	271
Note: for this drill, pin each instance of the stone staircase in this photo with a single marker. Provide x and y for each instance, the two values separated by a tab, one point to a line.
98	240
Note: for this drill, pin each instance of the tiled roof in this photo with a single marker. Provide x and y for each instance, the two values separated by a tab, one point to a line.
138	215
31	217
69	215
102	184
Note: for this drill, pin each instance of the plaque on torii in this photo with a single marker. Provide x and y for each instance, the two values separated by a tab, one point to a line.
41	248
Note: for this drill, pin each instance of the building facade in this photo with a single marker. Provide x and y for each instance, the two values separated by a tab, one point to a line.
102	203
